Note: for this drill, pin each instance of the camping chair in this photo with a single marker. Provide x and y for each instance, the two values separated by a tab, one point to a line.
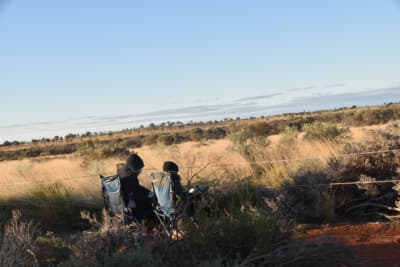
112	195
166	211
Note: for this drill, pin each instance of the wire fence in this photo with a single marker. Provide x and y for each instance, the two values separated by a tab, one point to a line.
215	165
352	155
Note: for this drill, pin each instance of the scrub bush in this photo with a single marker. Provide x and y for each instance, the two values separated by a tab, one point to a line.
323	131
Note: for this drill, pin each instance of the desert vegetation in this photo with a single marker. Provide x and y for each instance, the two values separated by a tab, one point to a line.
267	178
176	132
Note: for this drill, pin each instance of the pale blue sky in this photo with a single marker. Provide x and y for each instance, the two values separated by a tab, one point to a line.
72	66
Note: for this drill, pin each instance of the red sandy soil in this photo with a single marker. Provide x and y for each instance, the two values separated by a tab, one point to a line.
375	244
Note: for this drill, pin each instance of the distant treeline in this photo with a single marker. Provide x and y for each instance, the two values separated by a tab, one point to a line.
170	133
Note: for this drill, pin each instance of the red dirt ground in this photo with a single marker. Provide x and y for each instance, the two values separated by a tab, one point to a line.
375	244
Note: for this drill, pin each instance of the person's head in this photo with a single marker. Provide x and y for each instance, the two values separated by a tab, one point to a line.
170	166
135	163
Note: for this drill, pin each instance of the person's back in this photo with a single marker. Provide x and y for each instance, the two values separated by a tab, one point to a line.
173	169
134	195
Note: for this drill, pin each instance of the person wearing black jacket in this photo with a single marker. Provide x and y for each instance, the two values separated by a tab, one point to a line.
135	196
173	169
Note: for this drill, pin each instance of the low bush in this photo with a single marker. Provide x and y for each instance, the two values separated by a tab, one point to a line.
17	247
95	150
234	235
53	206
240	137
366	167
216	133
375	116
196	134
261	129
109	245
150	139
381	166
305	196
288	135
167	140
323	131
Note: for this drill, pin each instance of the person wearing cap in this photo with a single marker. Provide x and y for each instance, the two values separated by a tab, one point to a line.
135	196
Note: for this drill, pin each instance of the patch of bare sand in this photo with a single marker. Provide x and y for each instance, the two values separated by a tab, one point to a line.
375	244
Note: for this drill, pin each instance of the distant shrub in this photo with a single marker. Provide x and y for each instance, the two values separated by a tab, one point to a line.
288	135
150	139
260	129
216	133
135	142
196	134
166	140
300	122
323	131
375	116
95	150
6	143
240	137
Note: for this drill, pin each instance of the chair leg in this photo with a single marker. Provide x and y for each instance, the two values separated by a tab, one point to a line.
161	220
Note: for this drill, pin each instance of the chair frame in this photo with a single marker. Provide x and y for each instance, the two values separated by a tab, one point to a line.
169	223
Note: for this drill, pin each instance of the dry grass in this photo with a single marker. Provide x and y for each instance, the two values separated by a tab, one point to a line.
284	159
197	160
25	173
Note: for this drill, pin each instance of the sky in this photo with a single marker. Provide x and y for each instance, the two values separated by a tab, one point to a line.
75	66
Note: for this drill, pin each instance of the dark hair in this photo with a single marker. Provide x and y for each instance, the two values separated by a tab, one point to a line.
134	162
170	166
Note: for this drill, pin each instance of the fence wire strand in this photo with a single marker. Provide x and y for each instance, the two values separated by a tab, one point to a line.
216	165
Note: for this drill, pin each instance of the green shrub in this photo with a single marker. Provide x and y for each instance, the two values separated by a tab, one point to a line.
196	134
260	129
52	205
240	137
323	131
216	133
166	140
234	234
150	139
306	197
96	150
289	135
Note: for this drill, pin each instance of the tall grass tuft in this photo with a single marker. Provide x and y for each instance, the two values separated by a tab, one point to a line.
53	205
288	136
17	247
323	131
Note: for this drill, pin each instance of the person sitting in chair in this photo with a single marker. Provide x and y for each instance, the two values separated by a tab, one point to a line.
135	196
173	169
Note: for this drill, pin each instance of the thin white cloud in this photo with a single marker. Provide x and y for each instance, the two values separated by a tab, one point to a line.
257	97
199	112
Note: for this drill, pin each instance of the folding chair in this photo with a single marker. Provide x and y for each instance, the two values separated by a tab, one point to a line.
112	195
166	210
